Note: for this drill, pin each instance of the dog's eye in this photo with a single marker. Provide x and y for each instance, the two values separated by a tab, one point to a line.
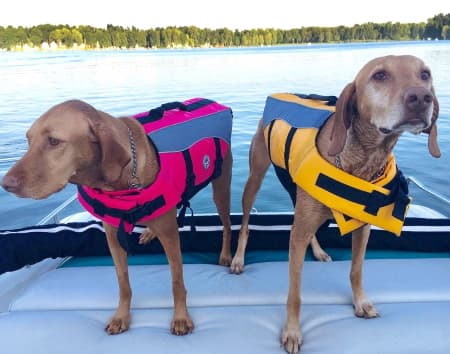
380	75
53	141
425	75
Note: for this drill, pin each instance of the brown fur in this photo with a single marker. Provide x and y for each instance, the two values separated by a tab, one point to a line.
390	95
75	143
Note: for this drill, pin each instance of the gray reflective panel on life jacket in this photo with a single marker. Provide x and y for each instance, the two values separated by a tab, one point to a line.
181	136
292	112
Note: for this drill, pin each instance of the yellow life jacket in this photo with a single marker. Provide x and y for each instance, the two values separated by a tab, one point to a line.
291	124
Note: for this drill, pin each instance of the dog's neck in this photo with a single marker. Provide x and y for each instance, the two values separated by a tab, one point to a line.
145	163
143	167
366	150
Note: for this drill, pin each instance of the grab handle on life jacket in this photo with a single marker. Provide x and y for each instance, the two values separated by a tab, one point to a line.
158	113
331	100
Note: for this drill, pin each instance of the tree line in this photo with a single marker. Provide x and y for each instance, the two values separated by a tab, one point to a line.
437	27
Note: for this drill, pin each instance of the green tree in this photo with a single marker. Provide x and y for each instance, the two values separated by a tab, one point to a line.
66	36
433	28
35	36
11	37
445	34
417	31
45	29
120	37
21	36
154	38
75	36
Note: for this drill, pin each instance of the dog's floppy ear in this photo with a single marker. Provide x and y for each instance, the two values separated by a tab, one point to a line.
114	156
342	119
433	146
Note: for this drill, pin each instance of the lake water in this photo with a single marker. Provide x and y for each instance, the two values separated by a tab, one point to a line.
127	82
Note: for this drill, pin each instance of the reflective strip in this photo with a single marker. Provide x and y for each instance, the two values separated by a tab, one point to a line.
215	125
292	112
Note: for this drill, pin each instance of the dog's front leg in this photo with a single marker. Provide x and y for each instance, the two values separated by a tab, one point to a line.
166	229
121	319
292	336
363	306
309	215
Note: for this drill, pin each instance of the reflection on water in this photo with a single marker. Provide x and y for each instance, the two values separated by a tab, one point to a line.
127	82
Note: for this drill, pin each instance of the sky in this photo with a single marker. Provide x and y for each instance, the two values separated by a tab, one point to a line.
233	14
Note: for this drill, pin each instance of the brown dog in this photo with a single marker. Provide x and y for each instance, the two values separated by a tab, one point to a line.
75	143
389	96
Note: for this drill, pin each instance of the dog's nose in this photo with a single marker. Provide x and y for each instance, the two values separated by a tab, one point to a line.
10	183
418	98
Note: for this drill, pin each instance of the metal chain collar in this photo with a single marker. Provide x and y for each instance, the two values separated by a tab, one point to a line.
133	182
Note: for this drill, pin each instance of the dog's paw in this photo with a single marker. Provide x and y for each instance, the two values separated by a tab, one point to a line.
322	256
225	259
365	309
291	340
118	324
181	326
237	265
146	236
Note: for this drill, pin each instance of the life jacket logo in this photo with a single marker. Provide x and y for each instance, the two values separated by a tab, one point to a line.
206	162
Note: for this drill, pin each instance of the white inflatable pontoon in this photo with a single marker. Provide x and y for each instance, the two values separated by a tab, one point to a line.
61	305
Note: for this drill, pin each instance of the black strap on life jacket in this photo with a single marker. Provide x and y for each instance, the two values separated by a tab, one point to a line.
191	188
287	147
219	160
157	113
375	200
331	100
269	138
190	185
131	216
286	181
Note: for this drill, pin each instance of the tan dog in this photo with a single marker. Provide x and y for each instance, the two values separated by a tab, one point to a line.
389	96
75	143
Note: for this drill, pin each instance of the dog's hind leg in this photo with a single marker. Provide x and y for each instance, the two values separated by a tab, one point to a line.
363	306
259	162
318	251
222	198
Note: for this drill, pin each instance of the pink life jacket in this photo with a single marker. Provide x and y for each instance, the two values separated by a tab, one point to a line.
191	140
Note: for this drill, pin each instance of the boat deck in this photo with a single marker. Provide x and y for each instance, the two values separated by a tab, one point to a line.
60	306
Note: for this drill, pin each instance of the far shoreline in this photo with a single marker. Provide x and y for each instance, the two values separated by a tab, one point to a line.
54	47
50	37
